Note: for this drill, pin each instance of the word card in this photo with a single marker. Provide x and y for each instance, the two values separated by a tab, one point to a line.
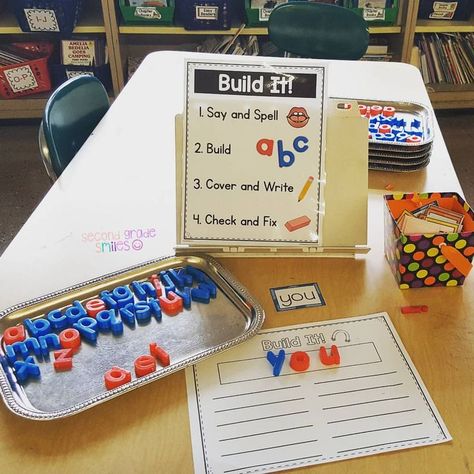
430	218
253	152
245	419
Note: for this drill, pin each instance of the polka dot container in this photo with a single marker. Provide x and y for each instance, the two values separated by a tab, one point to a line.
416	260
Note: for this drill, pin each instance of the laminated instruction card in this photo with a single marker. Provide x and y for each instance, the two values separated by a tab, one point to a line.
245	419
253	165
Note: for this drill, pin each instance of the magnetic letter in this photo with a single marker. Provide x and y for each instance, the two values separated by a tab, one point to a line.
299	361
276	361
332	359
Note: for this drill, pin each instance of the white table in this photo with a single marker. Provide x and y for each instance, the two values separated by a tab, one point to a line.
117	182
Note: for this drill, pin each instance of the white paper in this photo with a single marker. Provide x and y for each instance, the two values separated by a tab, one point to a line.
244	419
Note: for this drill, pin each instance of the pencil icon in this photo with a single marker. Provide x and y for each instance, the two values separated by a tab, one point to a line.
305	188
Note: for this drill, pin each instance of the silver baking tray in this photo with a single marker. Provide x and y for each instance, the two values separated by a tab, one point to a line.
408	111
194	334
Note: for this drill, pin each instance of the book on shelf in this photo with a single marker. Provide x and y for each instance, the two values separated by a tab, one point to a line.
377	50
83	52
445	58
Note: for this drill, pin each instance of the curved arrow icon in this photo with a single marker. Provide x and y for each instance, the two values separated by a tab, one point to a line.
347	336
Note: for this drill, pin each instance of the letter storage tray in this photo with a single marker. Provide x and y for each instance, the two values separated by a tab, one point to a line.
193	334
386	151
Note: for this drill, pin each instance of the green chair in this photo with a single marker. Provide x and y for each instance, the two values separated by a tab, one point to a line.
318	30
71	114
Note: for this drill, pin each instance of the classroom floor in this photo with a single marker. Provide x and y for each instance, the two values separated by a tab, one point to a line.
23	180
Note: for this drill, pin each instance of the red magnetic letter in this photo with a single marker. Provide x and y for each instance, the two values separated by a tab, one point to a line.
63	359
160	354
115	377
94	306
145	364
155	281
70	339
14	334
171	304
332	359
299	361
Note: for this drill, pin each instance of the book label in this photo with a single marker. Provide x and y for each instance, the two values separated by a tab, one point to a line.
207	12
21	78
41	20
372	14
71	74
78	52
445	6
150	13
443	10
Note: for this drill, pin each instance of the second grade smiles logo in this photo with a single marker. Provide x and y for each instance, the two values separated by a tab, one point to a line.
297	117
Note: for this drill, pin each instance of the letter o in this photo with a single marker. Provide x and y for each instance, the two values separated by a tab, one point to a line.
294	295
299	361
70	339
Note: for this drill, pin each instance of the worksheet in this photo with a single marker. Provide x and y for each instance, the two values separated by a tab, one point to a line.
244	419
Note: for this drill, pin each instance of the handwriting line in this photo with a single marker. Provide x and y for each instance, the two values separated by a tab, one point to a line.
365	403
355	378
383	444
260	405
263	418
267	432
256	392
377	429
271	447
360	389
371	416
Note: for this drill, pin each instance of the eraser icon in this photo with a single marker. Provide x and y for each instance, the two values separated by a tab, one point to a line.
297	223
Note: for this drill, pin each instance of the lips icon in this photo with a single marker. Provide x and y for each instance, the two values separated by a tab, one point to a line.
297	117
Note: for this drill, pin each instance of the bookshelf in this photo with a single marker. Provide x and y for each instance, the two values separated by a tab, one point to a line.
259	31
136	40
445	96
103	17
93	22
432	26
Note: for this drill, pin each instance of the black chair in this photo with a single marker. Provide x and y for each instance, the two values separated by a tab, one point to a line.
71	114
318	30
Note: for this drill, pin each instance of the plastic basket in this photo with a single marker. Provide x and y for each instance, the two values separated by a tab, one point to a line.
379	16
26	78
52	16
153	15
204	14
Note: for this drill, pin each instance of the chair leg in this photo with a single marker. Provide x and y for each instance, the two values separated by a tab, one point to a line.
45	156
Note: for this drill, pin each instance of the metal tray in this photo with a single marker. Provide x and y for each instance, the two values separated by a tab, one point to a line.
396	168
205	329
401	164
408	111
399	149
379	155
